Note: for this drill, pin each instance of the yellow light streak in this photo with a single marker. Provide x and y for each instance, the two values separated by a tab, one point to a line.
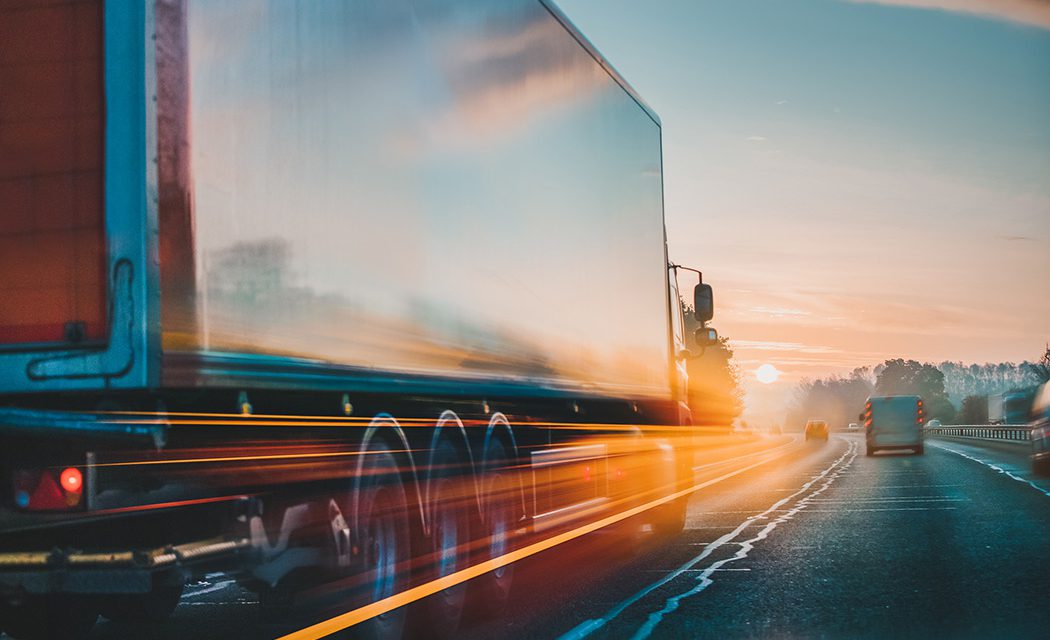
275	456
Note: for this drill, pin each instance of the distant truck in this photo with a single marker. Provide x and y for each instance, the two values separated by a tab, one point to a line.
270	280
1011	407
893	423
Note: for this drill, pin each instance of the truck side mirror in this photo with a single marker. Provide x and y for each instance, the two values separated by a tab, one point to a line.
706	337
703	303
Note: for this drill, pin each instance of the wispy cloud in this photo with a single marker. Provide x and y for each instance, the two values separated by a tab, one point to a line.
794	347
1034	13
755	138
779	312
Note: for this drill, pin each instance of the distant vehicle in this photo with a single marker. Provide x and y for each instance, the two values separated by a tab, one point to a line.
1039	420
893	422
1011	407
933	423
817	429
853	426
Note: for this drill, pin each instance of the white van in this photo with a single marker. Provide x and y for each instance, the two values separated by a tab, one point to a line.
893	422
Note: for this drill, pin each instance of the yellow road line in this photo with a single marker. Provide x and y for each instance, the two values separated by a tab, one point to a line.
403	598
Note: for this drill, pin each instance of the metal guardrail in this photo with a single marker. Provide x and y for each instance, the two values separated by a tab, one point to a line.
982	432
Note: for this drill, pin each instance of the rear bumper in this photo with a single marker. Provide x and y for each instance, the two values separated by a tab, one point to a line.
124	571
874	443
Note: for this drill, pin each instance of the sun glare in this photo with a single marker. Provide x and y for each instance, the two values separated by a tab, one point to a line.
767	374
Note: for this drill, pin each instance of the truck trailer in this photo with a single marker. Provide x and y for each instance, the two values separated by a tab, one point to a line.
335	297
1011	407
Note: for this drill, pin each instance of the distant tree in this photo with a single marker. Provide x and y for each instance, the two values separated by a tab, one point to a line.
1041	370
716	396
974	410
907	377
962	380
836	399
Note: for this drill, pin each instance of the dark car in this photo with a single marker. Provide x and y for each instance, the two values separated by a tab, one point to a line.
1039	421
817	429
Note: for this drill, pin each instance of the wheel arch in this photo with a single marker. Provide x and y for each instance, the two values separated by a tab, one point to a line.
450	428
500	429
385	428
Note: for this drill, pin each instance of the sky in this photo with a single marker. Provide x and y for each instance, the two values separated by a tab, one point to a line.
859	180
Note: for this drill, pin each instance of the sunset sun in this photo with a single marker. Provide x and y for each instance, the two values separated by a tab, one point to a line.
767	374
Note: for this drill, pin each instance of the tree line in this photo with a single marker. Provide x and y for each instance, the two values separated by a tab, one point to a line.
953	392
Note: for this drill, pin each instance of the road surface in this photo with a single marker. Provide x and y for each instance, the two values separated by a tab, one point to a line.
800	540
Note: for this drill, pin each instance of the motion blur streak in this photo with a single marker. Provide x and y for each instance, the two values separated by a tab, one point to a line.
350	618
238	458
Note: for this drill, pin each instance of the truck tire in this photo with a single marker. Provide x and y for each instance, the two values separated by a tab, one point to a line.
450	506
52	617
670	520
490	593
384	528
869	450
920	450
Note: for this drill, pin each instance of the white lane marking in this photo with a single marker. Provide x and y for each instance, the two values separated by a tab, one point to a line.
911	486
588	627
218	586
887	509
692	570
995	468
704	580
889	500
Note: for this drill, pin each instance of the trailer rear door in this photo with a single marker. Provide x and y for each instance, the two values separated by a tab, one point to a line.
52	236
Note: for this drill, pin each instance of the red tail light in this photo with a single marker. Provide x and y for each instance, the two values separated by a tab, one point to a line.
44	490
71	480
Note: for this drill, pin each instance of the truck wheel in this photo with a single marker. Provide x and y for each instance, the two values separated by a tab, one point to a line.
155	606
670	518
54	617
869	451
384	527
450	517
490	593
920	450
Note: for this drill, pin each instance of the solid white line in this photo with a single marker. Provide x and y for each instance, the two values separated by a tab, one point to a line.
995	468
889	500
911	486
889	509
588	627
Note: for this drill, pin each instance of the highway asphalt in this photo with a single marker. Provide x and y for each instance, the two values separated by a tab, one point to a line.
807	540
